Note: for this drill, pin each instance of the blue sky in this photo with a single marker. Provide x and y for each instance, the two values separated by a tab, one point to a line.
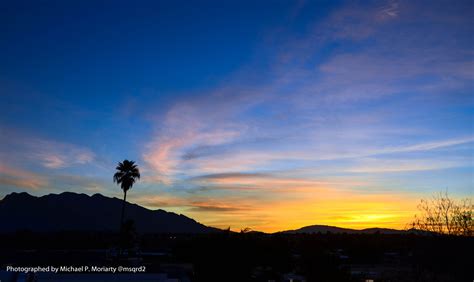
269	115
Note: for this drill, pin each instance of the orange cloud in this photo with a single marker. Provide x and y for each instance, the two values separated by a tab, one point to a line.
159	201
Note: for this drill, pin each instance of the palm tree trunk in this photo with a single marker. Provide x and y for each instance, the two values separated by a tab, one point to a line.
123	209
121	222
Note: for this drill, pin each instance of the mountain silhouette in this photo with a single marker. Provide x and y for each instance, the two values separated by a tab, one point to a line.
79	212
332	229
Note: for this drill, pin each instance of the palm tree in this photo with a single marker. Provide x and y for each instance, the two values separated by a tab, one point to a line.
126	175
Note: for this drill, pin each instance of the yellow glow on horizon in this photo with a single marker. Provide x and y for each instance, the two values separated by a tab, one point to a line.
304	207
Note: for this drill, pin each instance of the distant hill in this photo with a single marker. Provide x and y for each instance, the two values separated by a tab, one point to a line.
332	229
72	211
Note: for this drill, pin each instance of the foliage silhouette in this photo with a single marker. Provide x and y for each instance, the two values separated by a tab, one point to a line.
443	215
127	173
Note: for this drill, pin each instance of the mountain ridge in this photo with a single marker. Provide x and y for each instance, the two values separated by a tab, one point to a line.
78	211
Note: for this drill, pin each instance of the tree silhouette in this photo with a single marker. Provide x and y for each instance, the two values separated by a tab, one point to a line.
443	215
127	173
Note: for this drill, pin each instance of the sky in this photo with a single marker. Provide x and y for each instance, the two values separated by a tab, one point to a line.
271	115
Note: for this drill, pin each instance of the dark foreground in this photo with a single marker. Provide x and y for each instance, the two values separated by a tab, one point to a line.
239	257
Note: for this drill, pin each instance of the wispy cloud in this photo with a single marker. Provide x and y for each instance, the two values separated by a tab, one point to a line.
432	145
19	178
215	207
277	182
168	153
357	23
298	100
54	155
45	165
388	150
390	166
231	175
14	178
23	147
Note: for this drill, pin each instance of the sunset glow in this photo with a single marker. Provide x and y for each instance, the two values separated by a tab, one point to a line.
271	115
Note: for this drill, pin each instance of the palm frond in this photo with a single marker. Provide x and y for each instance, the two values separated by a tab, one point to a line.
126	174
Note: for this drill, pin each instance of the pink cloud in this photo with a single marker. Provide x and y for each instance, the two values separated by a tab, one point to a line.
165	154
21	178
